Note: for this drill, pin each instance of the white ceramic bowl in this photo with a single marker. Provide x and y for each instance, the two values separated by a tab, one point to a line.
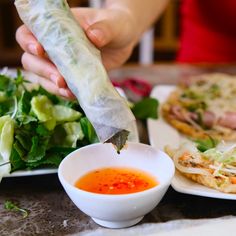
123	210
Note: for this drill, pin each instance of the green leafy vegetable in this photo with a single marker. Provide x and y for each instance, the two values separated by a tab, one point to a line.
9	205
74	132
16	160
62	113
38	129
24	108
189	93
88	130
213	154
215	91
6	86
54	157
42	107
196	105
6	137
119	140
146	108
221	156
205	144
37	150
19	80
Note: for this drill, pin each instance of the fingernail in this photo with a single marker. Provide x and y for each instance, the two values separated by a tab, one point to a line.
63	92
98	34
33	49
55	79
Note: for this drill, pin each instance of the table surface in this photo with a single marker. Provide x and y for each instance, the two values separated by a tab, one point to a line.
53	213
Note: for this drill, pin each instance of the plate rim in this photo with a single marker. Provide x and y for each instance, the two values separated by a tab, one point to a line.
25	173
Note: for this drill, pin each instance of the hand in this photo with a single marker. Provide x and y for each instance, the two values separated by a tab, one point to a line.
111	30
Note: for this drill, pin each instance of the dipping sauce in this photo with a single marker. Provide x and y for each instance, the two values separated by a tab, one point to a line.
116	181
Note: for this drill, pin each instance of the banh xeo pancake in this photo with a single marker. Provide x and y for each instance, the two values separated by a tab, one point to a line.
214	167
203	106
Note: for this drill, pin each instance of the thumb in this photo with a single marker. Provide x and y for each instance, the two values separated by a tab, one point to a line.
101	33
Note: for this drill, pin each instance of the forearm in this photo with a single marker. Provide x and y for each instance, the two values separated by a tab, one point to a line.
143	12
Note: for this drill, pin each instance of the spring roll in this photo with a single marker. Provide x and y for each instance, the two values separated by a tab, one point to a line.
79	61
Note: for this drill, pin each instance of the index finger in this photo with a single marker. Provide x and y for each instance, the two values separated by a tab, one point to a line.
28	42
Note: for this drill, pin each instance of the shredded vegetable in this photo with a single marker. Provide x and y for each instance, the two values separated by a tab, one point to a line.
218	161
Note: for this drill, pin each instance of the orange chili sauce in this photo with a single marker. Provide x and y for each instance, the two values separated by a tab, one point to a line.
116	181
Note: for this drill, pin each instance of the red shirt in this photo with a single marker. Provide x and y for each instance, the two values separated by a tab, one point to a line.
208	31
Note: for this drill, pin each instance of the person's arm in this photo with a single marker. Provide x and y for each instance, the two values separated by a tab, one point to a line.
143	12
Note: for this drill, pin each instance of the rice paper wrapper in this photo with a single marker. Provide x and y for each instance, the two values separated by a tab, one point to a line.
79	61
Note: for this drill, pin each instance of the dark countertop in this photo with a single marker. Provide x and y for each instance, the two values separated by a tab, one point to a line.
53	213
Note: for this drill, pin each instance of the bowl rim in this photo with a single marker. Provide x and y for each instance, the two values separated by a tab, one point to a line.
154	189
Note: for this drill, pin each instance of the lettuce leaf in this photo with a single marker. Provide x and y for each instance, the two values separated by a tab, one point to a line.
63	114
6	140
42	107
6	137
44	128
73	133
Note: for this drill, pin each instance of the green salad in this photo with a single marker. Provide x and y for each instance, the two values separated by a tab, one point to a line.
38	129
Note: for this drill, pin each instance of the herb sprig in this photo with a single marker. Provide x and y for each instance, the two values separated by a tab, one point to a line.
9	205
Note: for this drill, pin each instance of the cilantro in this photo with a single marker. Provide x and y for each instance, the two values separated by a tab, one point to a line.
8	205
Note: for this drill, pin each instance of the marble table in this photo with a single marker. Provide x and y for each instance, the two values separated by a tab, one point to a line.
52	213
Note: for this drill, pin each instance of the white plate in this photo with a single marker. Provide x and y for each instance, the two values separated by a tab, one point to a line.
161	133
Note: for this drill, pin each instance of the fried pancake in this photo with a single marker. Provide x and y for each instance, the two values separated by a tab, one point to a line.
196	129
